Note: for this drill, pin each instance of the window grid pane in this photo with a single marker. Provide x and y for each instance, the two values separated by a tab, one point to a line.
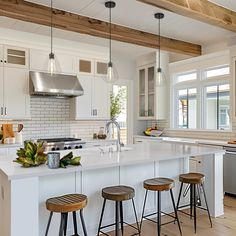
186	77
217	72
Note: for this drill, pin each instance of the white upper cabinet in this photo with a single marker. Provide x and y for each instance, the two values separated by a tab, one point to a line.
14	83
65	63
12	56
16	93
95	103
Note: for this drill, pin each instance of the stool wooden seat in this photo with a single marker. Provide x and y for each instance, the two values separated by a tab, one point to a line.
192	178
159	184
118	193
67	203
64	205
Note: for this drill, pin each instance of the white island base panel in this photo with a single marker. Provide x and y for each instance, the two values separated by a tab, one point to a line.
22	203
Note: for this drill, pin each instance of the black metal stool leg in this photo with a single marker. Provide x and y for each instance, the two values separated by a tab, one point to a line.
82	222
191	201
136	217
176	215
117	218
159	213
75	224
62	224
204	193
100	222
180	192
121	218
194	207
65	227
144	204
49	222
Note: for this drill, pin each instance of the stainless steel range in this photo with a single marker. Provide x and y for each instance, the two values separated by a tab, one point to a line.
56	144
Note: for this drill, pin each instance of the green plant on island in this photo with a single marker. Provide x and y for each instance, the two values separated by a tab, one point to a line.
117	102
32	155
70	160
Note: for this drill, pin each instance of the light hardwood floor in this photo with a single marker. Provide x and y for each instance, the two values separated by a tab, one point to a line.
222	226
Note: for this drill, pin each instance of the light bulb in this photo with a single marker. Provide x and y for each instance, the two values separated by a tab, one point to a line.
112	74
51	64
160	78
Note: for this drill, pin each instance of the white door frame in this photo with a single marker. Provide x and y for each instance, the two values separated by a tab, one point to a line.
130	110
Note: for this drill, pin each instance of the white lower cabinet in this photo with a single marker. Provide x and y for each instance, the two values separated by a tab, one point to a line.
94	104
14	94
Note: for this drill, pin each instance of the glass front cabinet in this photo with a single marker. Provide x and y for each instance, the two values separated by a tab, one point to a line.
146	92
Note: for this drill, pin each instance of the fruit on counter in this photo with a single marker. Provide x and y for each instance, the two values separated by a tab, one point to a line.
153	131
32	155
69	160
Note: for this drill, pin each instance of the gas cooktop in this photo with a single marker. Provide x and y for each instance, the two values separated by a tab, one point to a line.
56	144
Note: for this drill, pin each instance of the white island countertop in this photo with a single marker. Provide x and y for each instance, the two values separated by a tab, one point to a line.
94	159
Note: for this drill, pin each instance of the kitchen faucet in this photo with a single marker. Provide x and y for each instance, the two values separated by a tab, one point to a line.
118	142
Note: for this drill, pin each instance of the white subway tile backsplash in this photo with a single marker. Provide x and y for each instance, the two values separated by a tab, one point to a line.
50	117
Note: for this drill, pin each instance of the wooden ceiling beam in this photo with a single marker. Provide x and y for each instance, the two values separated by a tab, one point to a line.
201	10
35	13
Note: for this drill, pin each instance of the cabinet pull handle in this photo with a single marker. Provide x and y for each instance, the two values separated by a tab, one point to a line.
2	111
5	111
95	112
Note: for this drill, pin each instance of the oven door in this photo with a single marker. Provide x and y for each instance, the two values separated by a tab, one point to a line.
230	171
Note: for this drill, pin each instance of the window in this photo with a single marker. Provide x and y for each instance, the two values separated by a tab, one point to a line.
217	107
201	99
187	108
217	72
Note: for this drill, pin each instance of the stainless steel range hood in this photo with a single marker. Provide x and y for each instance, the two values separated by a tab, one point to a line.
57	85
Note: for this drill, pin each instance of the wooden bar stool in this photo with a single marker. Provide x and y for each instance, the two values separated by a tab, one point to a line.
158	185
118	194
195	181
64	205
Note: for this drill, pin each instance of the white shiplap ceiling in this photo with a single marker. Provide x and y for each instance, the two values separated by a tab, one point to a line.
133	14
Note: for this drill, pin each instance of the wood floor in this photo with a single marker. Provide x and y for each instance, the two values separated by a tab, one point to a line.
222	226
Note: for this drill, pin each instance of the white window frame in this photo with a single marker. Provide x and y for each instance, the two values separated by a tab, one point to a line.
189	66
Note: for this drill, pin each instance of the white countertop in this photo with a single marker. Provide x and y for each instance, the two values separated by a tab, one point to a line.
10	145
93	159
186	140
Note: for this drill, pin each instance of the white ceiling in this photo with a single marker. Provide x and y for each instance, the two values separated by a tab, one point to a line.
133	14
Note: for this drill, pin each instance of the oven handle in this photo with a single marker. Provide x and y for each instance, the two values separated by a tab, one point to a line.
228	152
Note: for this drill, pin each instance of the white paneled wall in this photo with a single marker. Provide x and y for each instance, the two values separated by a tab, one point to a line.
50	117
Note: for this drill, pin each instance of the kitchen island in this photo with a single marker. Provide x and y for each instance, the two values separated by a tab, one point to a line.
24	191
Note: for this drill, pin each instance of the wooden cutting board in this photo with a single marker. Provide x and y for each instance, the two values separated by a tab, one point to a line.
7	131
232	142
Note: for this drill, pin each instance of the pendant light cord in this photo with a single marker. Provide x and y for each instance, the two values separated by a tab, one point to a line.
51	27
110	31
159	43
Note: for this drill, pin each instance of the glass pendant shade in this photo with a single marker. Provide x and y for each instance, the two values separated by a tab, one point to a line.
112	74
160	78
51	64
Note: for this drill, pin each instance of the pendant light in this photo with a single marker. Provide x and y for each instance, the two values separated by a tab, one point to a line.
111	73
160	76
51	62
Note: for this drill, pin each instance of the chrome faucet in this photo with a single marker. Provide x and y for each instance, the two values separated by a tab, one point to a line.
118	143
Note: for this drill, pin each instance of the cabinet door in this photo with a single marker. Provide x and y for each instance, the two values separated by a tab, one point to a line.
1	55
101	99
85	66
100	68
142	92
1	92
16	93
150	91
64	63
83	104
16	57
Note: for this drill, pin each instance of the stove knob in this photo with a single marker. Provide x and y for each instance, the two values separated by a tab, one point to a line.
69	147
76	147
58	149
80	146
65	148
53	149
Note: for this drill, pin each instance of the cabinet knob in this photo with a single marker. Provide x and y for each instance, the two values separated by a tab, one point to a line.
1	60
5	61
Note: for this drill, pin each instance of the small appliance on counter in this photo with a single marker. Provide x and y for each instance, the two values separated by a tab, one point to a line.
57	144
